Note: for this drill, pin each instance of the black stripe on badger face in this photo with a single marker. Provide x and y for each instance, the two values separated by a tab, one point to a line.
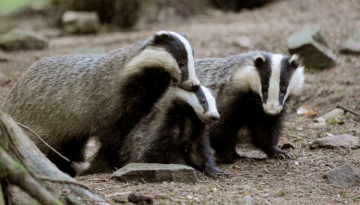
179	47
264	70
287	70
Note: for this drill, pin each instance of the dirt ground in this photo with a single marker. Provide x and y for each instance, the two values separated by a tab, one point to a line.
270	181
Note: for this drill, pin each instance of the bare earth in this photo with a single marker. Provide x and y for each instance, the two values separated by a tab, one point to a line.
269	181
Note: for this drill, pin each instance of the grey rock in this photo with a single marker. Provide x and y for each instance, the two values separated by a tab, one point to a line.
334	115
344	140
140	199
243	42
22	40
152	172
4	79
344	176
80	22
352	45
247	200
312	48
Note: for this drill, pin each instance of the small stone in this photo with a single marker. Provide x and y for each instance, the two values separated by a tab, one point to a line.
352	45
140	199
153	172
72	200
4	79
344	176
247	200
287	145
243	42
22	40
312	48
344	140
80	22
334	115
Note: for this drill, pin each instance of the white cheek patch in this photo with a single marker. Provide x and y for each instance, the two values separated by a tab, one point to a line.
190	60
211	102
247	78
190	97
296	83
152	56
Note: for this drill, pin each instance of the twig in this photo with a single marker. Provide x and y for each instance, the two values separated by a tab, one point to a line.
63	182
312	97
54	150
348	110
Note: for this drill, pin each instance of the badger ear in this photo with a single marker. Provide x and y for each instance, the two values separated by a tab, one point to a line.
259	61
183	34
161	36
294	61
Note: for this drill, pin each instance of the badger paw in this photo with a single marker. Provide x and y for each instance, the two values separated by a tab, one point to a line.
280	154
214	172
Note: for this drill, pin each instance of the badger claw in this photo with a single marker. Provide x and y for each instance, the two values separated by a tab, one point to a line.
283	154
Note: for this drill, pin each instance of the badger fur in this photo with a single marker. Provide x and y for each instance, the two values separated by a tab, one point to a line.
174	132
67	99
252	90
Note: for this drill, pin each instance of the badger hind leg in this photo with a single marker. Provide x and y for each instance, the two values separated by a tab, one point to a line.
74	150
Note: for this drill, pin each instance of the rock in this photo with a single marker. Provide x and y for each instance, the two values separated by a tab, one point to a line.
22	40
312	48
287	145
80	22
4	79
152	172
344	176
119	197
140	199
335	116
243	42
352	45
247	200
344	140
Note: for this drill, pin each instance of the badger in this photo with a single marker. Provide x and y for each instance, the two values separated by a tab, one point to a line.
173	132
67	99
252	90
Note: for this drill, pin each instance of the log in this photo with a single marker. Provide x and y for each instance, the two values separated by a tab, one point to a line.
18	145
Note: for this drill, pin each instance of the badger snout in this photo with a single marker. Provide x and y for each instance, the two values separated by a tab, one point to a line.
272	108
211	117
190	85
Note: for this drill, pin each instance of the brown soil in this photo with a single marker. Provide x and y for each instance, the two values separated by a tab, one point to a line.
269	181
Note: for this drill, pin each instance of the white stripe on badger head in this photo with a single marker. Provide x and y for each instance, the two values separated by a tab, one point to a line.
211	102
272	105
189	97
190	56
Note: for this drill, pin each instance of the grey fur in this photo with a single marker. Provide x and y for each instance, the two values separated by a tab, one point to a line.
67	99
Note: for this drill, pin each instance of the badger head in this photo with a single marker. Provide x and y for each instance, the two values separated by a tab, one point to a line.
178	47
274	78
203	103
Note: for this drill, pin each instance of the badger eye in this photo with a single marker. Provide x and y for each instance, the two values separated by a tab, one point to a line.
181	64
283	90
202	101
265	88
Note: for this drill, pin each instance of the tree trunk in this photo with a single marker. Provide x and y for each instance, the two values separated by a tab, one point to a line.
22	164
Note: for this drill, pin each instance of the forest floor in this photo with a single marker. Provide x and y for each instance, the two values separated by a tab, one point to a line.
269	181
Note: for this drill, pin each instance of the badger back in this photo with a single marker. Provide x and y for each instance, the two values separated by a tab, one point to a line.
274	77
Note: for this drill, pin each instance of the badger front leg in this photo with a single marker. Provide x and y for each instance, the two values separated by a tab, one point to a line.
266	137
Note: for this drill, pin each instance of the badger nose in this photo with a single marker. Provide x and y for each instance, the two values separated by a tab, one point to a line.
195	87
215	117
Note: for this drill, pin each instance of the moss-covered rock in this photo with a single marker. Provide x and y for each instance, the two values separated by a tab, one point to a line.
22	40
